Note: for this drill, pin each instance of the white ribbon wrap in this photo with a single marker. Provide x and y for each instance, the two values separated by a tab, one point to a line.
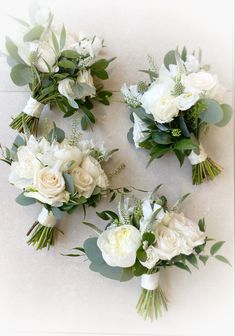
150	281
195	159
33	107
47	218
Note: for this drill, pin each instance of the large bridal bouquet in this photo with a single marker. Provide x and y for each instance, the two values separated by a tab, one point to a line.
59	67
141	239
58	173
172	111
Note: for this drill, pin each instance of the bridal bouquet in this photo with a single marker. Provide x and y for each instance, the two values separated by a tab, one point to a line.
141	239
58	173
59	67
172	111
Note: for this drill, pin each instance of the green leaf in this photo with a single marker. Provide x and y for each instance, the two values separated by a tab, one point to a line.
162	138
215	248
19	141
92	251
88	113
127	274
21	74
62	37
149	237
183	127
55	43
202	225
185	144
103	96
25	201
56	134
107	215
223	259
34	34
70	54
180	156
169	59
184	54
69	183
12	50
139	269
182	266
85	122
141	254
66	64
114	273
227	115
93	227
213	113
192	259
204	258
130	136
179	202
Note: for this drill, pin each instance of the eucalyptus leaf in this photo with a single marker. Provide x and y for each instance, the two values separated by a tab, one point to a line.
64	63
62	37
213	113
114	273
130	136
33	34
70	54
25	201
69	183
92	251
227	115
12	50
21	74
169	59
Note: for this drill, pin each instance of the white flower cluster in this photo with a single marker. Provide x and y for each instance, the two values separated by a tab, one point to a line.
174	235
40	166
175	90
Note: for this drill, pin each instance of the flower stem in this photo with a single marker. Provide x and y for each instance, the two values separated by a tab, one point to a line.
23	118
206	170
42	236
151	302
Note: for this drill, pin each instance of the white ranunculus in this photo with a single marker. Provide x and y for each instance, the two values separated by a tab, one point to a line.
148	212
152	257
119	245
200	81
93	167
159	102
138	130
188	229
168	242
192	64
50	186
83	182
23	170
39	53
131	95
84	85
186	100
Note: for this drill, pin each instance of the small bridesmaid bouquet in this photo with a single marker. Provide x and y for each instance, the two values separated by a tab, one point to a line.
60	69
142	238
172	111
58	173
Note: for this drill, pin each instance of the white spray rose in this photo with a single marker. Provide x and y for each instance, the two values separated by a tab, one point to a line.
187	100
50	186
200	81
119	245
152	257
39	53
23	170
83	182
159	102
93	167
192	64
138	130
189	230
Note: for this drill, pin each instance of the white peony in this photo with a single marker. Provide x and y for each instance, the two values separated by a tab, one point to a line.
23	170
152	257
192	63
50	187
188	229
200	81
39	53
83	182
93	167
186	100
159	102
138	130
119	245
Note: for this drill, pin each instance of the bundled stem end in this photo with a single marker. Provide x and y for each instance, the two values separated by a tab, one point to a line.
24	119
42	236
151	303
206	170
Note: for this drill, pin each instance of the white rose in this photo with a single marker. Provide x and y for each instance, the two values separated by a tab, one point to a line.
93	167
159	102
189	230
23	170
152	257
168	242
66	154
186	100
119	245
50	186
83	182
200	81
84	85
39	53
138	130
192	64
